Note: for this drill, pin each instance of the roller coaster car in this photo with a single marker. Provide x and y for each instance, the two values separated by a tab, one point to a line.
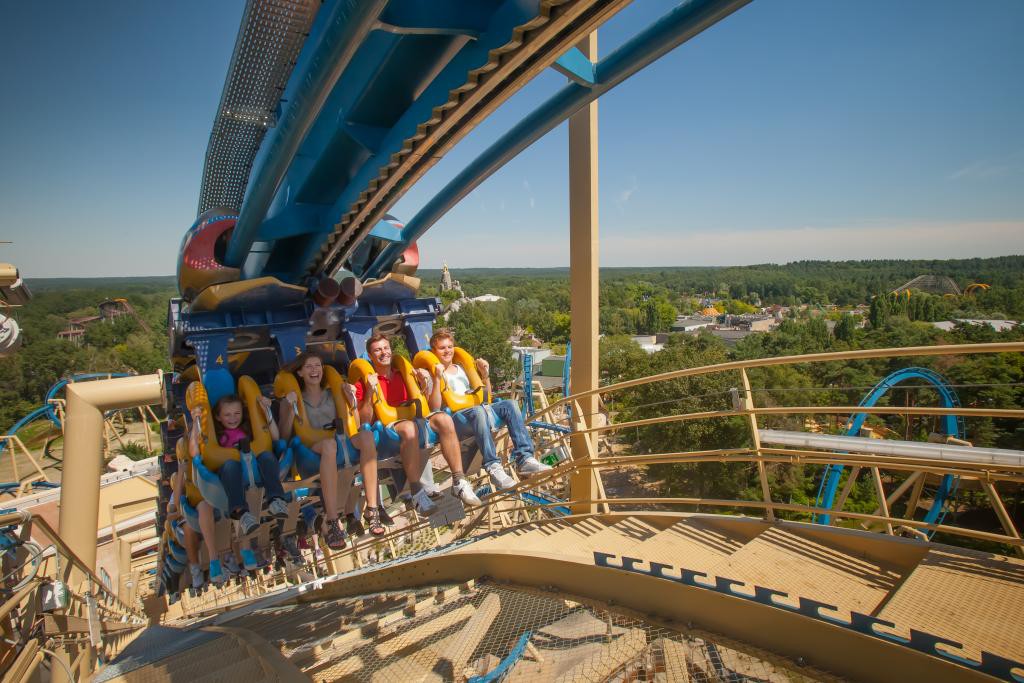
307	463
426	360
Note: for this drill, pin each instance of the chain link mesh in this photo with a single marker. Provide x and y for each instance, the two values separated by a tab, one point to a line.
499	632
266	49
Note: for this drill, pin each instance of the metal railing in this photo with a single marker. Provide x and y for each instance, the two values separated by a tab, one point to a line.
56	612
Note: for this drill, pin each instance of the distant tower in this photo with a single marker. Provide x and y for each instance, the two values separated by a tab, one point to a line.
447	283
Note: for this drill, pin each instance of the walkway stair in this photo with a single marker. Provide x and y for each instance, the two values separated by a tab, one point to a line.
457	631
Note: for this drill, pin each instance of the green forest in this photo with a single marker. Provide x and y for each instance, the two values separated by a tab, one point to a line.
645	301
632	300
122	345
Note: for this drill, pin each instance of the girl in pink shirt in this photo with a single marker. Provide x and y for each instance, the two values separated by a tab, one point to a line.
233	432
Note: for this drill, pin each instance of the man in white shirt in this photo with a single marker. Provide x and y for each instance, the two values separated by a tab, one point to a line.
476	422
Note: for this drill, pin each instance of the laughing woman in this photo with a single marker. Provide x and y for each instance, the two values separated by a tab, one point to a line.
322	413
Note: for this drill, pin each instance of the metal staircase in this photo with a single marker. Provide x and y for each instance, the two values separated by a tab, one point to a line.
560	600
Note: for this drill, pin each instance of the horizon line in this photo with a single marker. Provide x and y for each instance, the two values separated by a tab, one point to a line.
566	267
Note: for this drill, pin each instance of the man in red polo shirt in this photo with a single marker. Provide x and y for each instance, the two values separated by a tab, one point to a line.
395	393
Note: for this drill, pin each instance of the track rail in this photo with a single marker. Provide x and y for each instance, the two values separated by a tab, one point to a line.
534	46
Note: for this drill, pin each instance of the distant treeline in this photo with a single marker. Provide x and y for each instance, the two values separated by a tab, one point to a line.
812	282
633	301
646	300
154	283
121	345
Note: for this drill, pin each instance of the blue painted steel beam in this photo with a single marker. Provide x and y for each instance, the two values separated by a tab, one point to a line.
338	34
437	17
671	31
500	29
337	134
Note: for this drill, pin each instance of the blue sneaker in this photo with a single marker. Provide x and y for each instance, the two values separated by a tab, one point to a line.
216	575
249	559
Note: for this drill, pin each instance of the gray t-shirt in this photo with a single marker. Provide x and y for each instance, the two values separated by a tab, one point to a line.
321	416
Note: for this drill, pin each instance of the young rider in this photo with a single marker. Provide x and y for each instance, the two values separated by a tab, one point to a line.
232	431
395	393
178	479
322	413
204	511
442	343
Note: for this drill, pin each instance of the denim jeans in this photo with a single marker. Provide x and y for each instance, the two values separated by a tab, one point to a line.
476	423
230	474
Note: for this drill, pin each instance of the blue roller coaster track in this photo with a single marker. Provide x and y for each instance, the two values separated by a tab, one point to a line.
351	116
953	426
49	410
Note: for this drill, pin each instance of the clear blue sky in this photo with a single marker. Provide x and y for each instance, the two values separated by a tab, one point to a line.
794	129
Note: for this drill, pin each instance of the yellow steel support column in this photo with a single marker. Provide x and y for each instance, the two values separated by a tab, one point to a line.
882	502
583	279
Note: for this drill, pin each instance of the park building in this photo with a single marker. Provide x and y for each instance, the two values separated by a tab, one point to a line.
997	325
692	323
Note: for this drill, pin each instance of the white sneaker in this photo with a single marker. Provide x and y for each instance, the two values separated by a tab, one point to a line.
248	523
499	476
230	564
424	505
464	491
197	576
278	508
531	465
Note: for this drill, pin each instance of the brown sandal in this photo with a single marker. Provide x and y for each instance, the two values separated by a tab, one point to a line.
373	525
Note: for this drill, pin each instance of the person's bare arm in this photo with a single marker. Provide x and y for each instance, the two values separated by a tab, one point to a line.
366	415
177	486
193	434
434	400
351	402
287	415
484	369
265	403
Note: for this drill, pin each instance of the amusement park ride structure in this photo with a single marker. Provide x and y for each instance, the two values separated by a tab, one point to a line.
118	431
13	293
330	112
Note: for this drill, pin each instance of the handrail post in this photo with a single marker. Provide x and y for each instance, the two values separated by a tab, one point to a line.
851	481
1000	510
882	502
762	473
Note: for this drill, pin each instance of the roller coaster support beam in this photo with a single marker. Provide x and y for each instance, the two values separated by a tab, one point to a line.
83	453
583	278
675	28
80	481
